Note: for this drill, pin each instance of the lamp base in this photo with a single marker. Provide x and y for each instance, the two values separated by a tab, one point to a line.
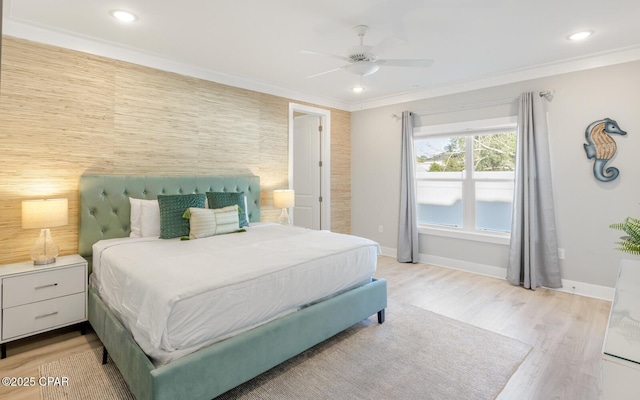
44	250
284	217
44	262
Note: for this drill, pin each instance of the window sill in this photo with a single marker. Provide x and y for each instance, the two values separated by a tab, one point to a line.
487	237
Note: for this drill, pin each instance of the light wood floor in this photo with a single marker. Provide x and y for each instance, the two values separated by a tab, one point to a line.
566	331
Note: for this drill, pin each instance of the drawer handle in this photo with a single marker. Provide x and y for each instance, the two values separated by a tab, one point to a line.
46	286
46	315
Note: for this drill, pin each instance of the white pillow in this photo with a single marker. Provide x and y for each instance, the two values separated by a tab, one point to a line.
204	222
136	209
145	217
150	218
246	208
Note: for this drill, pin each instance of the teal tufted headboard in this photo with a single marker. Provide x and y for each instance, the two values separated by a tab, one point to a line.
104	200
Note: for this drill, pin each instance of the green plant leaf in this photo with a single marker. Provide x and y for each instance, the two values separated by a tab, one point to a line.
630	243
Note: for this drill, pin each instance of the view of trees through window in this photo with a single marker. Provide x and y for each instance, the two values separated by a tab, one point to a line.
493	152
466	181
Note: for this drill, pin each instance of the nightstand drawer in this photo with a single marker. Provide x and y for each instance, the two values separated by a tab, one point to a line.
43	285
43	315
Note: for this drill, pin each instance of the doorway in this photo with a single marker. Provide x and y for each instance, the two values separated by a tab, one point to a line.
309	165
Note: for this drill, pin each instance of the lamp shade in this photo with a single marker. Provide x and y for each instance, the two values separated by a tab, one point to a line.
284	198
45	213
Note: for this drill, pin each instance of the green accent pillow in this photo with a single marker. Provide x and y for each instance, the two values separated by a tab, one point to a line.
224	199
172	206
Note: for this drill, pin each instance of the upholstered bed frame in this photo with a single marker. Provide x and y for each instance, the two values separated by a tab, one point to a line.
211	371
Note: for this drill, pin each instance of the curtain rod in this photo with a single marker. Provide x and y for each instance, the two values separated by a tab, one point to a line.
547	94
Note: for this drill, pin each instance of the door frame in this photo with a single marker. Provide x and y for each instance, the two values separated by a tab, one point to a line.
325	182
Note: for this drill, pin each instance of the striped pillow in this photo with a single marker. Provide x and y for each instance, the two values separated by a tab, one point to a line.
223	199
206	222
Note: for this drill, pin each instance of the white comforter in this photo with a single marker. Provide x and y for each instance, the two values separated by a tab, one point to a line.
177	296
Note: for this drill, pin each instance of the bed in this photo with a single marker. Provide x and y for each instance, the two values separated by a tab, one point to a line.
223	365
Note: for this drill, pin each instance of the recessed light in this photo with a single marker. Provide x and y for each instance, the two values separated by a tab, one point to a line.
580	35
123	16
357	89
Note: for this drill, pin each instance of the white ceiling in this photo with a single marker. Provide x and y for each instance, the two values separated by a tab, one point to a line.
257	44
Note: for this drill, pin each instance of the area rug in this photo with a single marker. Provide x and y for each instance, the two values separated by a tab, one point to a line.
415	354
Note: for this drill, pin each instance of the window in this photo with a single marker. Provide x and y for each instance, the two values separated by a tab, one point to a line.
465	176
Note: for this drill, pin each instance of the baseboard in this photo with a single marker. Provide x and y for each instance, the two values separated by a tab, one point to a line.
389	251
480	269
587	289
568	286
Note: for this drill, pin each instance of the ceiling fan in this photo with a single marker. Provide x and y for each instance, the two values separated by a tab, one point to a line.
362	59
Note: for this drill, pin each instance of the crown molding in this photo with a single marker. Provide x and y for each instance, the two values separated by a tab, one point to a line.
72	41
86	44
596	60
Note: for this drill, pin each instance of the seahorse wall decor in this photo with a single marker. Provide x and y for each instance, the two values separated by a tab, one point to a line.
601	146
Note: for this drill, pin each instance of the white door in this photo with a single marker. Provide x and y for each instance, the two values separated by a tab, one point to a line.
307	171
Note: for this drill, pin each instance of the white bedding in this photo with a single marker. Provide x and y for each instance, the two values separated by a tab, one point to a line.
177	296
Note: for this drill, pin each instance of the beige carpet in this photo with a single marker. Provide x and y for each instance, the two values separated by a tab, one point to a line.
415	354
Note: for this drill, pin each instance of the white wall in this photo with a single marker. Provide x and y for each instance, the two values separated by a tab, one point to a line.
584	206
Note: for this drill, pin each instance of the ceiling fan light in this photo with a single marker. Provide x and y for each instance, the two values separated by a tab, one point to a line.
357	89
362	68
580	35
123	16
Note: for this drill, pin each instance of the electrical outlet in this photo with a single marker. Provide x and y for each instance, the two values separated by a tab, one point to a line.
561	253
380	228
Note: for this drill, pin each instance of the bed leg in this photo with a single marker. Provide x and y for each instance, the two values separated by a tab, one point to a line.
105	353
3	350
381	316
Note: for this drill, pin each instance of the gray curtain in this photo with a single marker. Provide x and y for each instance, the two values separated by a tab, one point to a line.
533	252
408	219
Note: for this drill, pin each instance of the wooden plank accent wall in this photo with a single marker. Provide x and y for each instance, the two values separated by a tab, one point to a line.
64	113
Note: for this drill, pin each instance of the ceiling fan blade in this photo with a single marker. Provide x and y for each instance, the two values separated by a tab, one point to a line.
325	72
425	63
318	53
387	44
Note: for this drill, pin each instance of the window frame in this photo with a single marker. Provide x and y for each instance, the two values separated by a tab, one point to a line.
468	129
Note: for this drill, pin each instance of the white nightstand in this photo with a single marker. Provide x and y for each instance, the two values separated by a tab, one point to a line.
37	299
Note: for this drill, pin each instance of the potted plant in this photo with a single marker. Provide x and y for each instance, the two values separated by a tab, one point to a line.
630	243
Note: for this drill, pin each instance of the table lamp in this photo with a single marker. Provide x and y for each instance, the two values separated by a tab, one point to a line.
284	199
44	214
